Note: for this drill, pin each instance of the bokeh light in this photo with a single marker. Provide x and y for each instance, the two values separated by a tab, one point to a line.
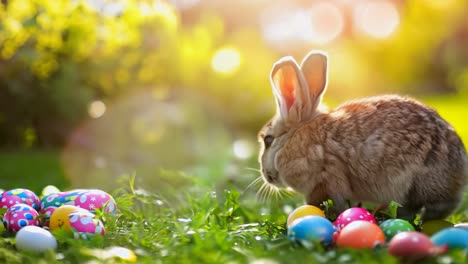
243	149
285	25
226	61
96	109
326	22
378	19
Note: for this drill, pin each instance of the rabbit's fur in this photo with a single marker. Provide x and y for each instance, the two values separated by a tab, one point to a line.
377	149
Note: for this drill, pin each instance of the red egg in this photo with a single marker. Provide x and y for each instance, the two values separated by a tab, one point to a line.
360	234
353	214
413	245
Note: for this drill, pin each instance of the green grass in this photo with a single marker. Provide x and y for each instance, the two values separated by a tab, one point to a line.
202	226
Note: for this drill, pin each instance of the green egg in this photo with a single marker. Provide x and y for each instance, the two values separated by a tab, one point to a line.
433	226
391	227
49	189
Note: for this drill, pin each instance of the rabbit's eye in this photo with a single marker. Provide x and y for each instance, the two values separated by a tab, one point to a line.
268	140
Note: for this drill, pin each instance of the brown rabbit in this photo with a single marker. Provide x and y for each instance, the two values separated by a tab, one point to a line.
377	149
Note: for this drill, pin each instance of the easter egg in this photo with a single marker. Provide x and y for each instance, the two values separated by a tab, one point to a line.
353	214
122	253
51	200
304	211
60	219
19	216
49	189
433	226
413	245
69	197
84	224
311	228
19	196
391	227
360	234
35	239
462	226
96	199
452	238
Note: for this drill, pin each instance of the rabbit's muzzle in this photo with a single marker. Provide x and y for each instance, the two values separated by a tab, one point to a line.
271	176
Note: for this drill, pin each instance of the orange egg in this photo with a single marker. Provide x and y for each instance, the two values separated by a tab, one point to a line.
302	211
360	234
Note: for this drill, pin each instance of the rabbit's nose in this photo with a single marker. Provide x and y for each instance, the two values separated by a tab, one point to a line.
270	176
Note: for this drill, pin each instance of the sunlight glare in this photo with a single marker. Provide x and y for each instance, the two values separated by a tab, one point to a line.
96	109
378	19
226	61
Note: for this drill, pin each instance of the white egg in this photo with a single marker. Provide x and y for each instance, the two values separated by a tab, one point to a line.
35	239
462	225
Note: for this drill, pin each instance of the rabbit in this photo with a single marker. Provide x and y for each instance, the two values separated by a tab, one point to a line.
377	149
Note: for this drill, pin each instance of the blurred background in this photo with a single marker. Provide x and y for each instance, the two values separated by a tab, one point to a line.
174	92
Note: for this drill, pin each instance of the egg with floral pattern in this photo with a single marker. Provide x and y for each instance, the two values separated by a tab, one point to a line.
93	200
85	225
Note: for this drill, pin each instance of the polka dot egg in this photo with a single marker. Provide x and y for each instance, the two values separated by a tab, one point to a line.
96	199
84	225
19	196
391	227
353	214
19	216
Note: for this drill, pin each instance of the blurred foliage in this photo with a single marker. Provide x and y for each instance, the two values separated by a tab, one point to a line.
165	106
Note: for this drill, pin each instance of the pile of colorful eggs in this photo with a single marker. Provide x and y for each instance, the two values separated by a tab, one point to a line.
73	211
357	228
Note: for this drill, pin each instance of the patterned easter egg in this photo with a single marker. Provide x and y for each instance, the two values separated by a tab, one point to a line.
59	218
96	199
353	214
391	227
19	216
84	225
69	197
19	196
50	202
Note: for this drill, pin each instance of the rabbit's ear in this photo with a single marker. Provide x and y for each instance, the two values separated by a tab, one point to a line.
314	67
289	88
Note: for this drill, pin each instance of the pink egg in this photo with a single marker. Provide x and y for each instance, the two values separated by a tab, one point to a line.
353	214
19	216
84	225
413	245
19	196
96	199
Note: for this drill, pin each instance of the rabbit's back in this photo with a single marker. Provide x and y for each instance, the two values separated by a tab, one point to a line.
396	148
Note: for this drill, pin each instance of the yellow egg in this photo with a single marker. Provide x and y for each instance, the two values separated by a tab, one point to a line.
304	211
433	226
59	218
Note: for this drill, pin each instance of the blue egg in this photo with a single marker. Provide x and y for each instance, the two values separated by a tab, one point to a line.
452	237
311	228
